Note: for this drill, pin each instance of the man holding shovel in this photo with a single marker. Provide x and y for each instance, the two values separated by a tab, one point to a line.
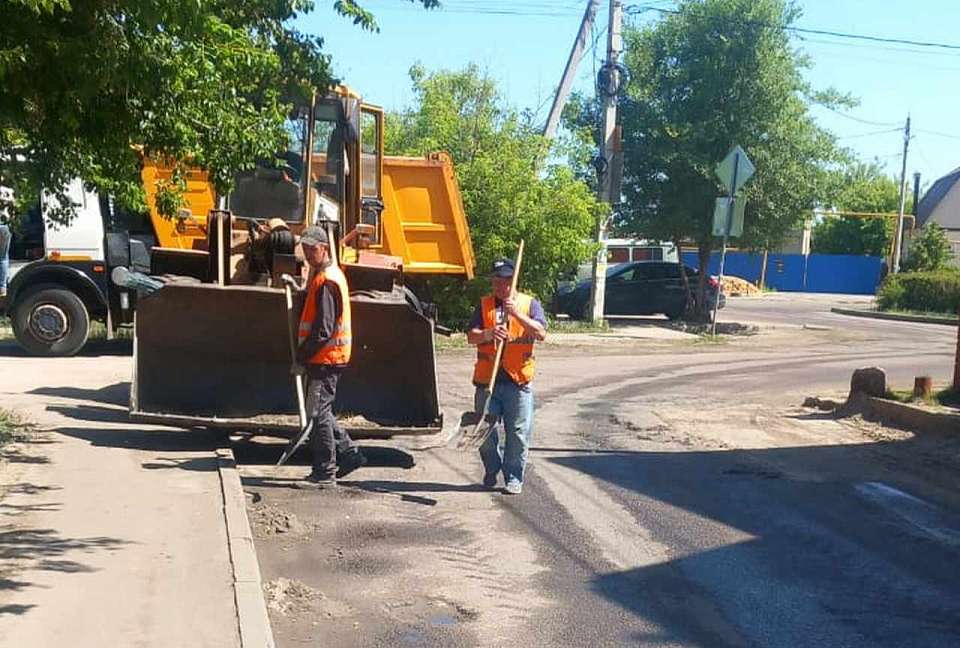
517	321
324	350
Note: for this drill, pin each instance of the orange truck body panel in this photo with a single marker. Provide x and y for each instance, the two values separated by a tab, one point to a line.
424	222
178	232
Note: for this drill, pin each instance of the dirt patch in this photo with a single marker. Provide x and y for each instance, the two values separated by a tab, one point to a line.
270	521
289	597
737	287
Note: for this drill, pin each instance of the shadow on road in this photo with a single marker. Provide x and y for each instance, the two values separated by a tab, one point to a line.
33	549
823	543
137	439
115	394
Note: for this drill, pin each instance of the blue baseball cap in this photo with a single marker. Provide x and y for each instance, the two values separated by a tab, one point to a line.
502	268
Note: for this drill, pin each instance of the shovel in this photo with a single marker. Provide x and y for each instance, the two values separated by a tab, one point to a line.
305	425
476	427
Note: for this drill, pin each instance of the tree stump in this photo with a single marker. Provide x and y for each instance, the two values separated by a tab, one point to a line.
869	381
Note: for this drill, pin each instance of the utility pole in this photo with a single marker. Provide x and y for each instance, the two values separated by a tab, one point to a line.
570	72
610	160
898	235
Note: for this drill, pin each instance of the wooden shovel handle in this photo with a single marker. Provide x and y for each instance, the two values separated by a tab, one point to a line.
501	345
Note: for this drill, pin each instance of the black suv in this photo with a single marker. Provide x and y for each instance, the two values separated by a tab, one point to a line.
640	288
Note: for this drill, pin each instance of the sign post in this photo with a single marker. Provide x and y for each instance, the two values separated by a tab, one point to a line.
733	171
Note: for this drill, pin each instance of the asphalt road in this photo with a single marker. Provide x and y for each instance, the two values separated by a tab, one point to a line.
677	496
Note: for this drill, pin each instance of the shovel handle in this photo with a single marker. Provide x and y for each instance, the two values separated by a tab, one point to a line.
500	345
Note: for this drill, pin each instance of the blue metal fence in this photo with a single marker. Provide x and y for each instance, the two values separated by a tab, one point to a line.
827	273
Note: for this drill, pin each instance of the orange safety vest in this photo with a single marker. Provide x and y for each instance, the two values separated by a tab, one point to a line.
517	360
337	349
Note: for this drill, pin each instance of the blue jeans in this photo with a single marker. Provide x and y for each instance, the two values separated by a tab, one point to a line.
514	405
5	238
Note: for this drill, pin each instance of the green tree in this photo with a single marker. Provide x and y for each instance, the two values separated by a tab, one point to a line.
210	82
510	189
930	251
859	188
711	75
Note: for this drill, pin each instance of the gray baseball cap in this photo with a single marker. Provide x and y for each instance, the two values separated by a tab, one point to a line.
314	236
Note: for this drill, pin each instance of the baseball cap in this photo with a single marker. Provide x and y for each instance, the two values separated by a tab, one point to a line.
502	268
313	236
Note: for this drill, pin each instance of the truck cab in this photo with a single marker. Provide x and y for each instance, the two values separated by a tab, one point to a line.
61	282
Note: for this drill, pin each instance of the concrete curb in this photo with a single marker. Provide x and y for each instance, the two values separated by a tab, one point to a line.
896	317
254	623
906	416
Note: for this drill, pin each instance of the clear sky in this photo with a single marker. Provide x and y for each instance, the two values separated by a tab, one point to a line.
524	45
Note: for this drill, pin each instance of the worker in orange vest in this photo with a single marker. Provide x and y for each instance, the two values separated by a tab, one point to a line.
324	351
517	321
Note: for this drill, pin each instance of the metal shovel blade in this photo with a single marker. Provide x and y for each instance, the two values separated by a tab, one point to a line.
295	443
474	430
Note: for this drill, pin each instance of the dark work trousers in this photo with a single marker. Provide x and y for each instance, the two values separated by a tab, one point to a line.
327	439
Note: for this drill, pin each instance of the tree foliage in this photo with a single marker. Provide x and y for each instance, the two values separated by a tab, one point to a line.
86	81
859	188
510	190
714	74
929	251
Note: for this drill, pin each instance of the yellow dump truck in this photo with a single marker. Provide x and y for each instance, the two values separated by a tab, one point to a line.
211	346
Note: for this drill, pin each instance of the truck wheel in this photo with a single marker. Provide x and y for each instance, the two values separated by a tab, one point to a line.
51	322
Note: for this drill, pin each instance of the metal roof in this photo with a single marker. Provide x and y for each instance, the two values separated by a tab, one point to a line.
937	192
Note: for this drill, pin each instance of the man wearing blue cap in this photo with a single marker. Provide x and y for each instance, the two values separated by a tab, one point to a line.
518	321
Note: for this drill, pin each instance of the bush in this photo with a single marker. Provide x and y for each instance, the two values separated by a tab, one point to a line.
937	292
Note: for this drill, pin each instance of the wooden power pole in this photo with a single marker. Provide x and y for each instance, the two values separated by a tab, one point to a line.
610	160
898	235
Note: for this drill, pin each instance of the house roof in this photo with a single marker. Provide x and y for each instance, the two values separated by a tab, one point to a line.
936	193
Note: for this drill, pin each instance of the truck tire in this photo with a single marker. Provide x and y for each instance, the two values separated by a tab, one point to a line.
51	322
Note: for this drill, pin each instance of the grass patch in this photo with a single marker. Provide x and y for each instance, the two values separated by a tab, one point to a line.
946	317
447	343
562	326
13	427
706	339
947	397
6	328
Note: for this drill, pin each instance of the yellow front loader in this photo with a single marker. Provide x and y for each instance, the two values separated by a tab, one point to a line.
211	346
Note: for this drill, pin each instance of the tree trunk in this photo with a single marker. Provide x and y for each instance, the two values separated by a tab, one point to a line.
702	307
688	307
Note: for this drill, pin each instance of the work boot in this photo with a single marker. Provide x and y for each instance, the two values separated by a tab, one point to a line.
315	482
349	462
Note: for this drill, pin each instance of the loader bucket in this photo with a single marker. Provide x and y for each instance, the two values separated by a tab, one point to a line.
209	355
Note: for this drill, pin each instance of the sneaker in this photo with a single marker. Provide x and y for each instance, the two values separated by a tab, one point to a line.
513	488
350	462
490	481
313	482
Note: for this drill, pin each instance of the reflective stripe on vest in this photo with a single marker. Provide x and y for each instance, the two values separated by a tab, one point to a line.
517	360
337	349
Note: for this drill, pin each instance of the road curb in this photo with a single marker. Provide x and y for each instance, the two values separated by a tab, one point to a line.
896	317
908	417
252	618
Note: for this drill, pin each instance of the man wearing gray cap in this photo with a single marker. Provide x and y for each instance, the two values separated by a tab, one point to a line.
324	350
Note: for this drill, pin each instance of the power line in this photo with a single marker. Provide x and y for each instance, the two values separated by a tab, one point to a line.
634	9
858	119
938	134
871	133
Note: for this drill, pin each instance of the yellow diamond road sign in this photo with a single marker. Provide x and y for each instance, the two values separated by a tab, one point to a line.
738	161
